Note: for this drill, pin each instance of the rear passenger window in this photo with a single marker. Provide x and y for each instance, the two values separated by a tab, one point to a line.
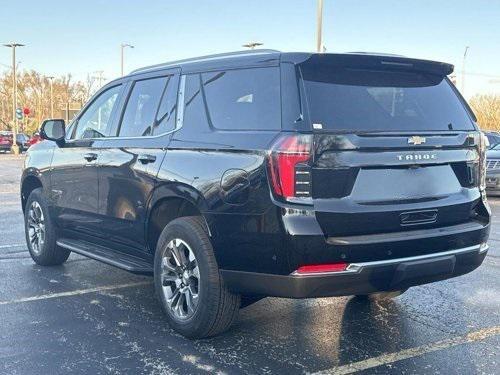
165	120
245	99
142	106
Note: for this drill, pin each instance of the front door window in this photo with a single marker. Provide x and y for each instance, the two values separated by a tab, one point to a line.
95	121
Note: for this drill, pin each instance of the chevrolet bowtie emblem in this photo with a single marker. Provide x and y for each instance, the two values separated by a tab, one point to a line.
416	140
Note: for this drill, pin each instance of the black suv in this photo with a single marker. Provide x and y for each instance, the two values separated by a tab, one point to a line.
238	176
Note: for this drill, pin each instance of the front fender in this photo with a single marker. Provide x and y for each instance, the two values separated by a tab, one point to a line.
37	165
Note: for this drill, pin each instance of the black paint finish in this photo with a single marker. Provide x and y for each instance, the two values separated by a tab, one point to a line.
104	190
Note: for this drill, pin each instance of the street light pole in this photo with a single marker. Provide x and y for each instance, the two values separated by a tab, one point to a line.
319	26
51	79
15	148
463	71
123	46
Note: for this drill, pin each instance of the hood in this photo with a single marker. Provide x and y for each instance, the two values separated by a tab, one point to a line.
493	154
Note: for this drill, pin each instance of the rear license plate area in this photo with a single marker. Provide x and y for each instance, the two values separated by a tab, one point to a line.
418	217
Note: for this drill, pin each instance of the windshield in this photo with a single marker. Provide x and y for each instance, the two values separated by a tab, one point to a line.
494	141
349	99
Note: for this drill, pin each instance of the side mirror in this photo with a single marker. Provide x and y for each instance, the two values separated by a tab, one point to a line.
53	130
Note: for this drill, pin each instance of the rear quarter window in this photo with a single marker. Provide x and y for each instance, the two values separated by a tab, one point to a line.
243	99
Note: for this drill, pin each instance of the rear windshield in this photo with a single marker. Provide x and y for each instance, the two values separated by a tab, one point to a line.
347	99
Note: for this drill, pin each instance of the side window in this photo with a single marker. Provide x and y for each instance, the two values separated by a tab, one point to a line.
69	130
195	117
141	107
244	99
165	119
93	123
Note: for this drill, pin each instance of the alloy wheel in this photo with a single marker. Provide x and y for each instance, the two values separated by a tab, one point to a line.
36	227
180	278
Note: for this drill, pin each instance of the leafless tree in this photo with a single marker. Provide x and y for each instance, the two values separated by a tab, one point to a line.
33	92
487	110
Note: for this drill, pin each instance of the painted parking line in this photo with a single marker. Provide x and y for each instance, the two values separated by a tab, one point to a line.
74	292
12	245
385	359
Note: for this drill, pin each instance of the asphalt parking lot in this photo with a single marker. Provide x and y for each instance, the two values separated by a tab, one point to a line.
87	317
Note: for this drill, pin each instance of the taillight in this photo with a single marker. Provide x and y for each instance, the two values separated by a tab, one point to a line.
289	166
483	146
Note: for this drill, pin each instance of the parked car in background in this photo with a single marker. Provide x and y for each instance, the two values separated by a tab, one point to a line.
233	177
493	138
493	171
22	141
6	141
34	139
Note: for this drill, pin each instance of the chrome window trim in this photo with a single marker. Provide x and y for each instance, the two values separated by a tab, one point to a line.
358	267
178	122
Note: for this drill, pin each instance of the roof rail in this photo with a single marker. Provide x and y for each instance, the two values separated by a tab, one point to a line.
205	58
374	53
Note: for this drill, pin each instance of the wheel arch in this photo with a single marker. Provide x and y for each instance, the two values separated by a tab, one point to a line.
29	183
167	205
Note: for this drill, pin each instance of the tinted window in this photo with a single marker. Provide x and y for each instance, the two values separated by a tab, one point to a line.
93	123
493	139
194	110
364	100
69	130
142	106
165	120
246	99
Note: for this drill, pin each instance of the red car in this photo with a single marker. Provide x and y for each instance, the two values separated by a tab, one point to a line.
23	141
34	140
5	141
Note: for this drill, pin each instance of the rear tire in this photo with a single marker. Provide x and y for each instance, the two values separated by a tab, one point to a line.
41	234
188	283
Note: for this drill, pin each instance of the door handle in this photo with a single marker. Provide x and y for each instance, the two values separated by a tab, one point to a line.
90	156
146	158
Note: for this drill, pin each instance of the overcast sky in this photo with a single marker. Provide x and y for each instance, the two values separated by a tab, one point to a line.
85	36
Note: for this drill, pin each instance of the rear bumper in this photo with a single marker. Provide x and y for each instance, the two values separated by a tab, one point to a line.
361	278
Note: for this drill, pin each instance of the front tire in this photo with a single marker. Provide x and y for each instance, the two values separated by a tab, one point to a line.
41	233
188	282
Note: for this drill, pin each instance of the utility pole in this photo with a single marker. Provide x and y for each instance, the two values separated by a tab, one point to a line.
15	148
463	71
252	45
123	46
319	26
51	79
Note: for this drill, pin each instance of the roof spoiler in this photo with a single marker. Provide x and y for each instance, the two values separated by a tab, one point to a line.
380	62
